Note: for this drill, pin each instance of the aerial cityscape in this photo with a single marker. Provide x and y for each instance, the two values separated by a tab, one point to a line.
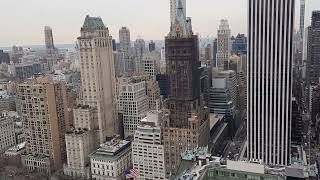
231	105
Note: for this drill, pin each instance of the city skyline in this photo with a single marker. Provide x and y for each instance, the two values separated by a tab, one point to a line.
206	16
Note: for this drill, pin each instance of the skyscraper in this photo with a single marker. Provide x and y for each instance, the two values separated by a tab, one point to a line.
270	51
313	46
187	125
125	46
223	45
174	9
97	73
302	14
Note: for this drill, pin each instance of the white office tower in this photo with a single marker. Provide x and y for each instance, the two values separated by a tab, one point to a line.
125	46
147	147
97	73
223	45
139	49
151	63
270	50
174	5
132	103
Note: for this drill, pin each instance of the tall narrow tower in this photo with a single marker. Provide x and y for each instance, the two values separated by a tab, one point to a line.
187	125
125	47
48	37
51	50
270	52
302	14
223	45
97	73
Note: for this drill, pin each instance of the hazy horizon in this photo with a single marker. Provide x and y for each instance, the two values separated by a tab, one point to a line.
23	21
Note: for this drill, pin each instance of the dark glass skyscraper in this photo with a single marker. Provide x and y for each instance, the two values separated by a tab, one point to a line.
270	51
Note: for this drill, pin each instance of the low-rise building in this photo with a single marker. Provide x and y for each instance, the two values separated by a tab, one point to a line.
111	160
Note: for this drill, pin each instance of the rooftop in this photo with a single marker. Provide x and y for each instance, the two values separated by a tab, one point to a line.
112	150
93	23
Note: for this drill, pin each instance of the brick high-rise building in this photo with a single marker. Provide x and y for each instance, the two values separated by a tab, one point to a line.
187	125
42	104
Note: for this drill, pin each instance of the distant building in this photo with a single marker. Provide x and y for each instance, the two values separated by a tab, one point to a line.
132	103
51	50
151	63
139	50
302	17
111	160
313	46
125	46
4	57
152	46
114	45
43	107
147	147
7	136
25	70
239	45
223	45
119	63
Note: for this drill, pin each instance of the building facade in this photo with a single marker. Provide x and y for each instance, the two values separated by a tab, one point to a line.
7	135
133	103
97	73
148	149
151	63
313	46
44	110
270	52
125	46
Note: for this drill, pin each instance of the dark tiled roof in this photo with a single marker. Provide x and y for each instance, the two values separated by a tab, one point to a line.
93	23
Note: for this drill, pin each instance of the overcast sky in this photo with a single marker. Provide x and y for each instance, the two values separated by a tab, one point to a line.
22	21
